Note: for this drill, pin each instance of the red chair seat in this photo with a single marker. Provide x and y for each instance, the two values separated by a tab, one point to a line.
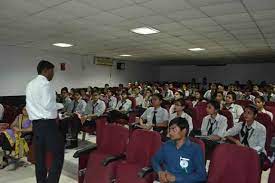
103	174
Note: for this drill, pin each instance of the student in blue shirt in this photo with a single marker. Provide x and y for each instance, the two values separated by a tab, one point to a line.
179	160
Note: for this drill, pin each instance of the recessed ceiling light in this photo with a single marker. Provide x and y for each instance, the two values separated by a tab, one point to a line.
125	55
63	45
196	49
145	30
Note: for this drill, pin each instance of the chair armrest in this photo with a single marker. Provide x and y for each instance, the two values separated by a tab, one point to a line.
145	171
110	159
85	150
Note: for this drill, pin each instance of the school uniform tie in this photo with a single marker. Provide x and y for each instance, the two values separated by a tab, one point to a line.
245	139
154	121
94	106
122	104
75	105
210	129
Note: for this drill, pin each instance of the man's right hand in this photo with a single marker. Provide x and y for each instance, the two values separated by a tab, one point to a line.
162	177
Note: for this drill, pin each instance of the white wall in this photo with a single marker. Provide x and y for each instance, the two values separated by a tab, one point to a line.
225	74
18	66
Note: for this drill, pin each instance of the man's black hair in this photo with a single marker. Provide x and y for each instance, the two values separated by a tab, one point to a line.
252	107
159	96
182	123
215	104
44	65
65	89
233	94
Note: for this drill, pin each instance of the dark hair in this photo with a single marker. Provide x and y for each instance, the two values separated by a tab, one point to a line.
182	123
124	92
43	64
76	92
252	107
159	96
219	92
261	98
65	89
182	102
215	104
180	92
233	94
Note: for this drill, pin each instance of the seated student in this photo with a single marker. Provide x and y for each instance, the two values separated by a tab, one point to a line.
213	126
112	100
106	88
221	89
139	98
84	95
155	89
220	98
269	95
148	98
2	110
14	139
260	103
66	100
180	105
93	110
178	95
179	160
252	134
198	98
167	94
235	109
248	96
124	105
257	90
78	105
155	117
210	94
185	90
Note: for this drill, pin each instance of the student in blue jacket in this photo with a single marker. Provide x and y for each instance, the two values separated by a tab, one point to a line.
179	160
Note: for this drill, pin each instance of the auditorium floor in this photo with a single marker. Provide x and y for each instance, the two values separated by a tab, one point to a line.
69	173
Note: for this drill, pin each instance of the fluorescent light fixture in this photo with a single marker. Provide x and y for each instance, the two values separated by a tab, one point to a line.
125	55
145	30
63	45
196	49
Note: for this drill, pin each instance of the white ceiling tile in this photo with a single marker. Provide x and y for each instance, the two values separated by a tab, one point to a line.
108	4
164	6
103	18
186	14
263	15
237	26
199	22
257	5
223	9
154	20
207	29
169	27
235	18
200	3
133	12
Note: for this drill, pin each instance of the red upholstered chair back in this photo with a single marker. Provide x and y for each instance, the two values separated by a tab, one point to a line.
243	103
265	120
114	139
101	122
271	178
134	103
231	163
229	117
200	142
142	146
199	113
270	104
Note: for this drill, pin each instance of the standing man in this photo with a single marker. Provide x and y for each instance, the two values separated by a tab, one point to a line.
42	109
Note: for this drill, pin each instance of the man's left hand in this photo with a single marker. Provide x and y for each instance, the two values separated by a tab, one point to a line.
170	177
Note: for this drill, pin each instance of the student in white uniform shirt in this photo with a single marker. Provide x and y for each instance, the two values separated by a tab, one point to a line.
139	98
155	117
167	94
78	105
112	100
213	127
257	90
2	110
269	95
179	106
178	95
220	98
198	98
248	96
252	134
260	103
148	98
209	94
235	109
66	99
124	105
